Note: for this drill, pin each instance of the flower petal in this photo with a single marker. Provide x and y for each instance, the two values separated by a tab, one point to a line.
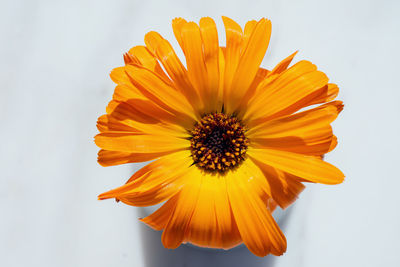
145	111
124	110
283	65
174	232
212	224
177	25
220	95
147	60
234	42
309	168
284	187
154	183
248	30
173	66
209	36
124	92
110	158
107	123
118	75
159	92
249	63
256	225
315	147
192	42
260	77
307	132
159	219
124	89
202	229
329	93
139	143
227	228
289	92
119	121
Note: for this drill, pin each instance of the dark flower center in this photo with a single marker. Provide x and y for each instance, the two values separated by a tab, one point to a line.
218	143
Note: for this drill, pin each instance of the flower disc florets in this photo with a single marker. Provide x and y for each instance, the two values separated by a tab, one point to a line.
218	143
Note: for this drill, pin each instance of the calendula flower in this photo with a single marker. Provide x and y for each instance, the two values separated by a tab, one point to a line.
227	138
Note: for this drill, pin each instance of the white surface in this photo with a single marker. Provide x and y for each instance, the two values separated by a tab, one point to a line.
54	63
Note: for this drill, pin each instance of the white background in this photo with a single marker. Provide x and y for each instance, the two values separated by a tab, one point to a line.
55	57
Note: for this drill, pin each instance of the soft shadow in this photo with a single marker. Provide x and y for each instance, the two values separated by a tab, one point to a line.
155	255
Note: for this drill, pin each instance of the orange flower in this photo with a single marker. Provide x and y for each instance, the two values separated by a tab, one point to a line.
226	137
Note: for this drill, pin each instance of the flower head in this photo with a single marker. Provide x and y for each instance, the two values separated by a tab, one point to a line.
227	137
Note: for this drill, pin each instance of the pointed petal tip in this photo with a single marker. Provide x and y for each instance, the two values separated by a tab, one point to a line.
340	107
292	55
128	58
338	104
101	197
106	195
149	223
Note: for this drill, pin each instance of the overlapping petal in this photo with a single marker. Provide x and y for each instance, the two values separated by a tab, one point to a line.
308	132
249	63
164	52
284	187
160	92
178	223
155	182
144	58
212	223
290	91
209	36
234	44
256	225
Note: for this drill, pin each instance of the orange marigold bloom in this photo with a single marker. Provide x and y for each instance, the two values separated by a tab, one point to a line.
226	137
